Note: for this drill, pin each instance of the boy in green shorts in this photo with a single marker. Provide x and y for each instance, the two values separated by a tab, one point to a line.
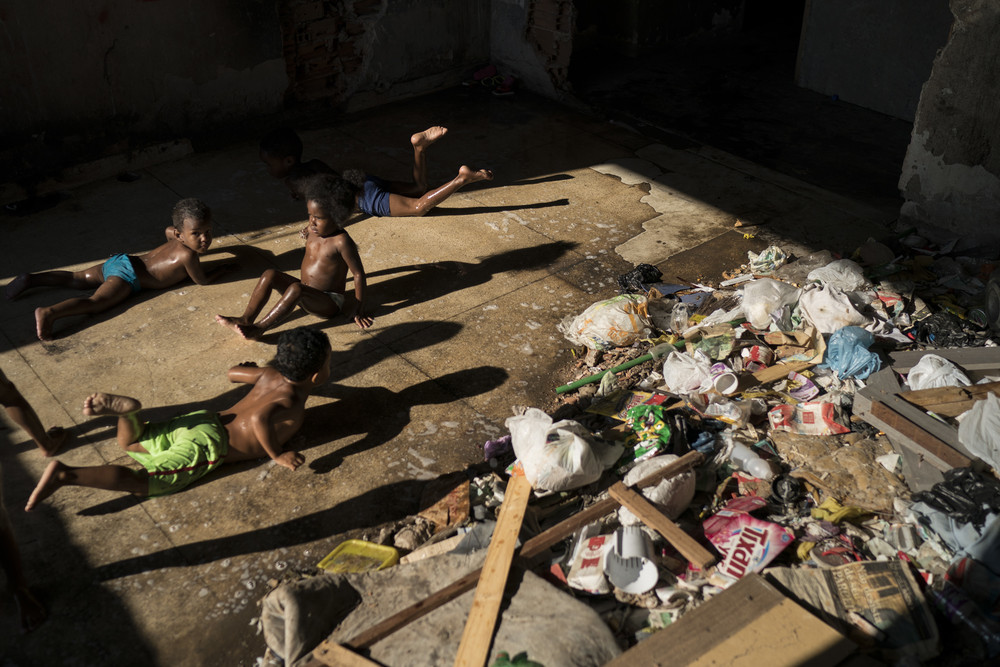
179	451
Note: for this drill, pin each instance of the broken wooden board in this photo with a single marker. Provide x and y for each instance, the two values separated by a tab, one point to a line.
474	649
330	654
671	532
750	623
950	401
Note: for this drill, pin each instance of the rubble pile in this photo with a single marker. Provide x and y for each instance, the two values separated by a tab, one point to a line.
809	447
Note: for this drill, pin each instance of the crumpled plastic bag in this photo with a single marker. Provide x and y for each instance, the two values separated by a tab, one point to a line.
558	456
688	373
979	430
844	274
848	355
635	281
671	496
769	259
765	301
828	308
617	322
934	371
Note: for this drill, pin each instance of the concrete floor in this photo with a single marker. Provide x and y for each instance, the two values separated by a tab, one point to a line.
466	303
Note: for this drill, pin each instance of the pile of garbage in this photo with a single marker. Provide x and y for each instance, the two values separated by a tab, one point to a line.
748	430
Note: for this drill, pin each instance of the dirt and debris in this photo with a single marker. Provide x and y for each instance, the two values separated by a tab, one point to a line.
789	388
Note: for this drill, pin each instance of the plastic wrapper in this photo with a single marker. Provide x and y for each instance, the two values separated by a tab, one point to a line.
847	353
828	309
748	544
844	274
934	371
979	430
810	418
767	301
635	281
767	260
617	322
557	456
688	373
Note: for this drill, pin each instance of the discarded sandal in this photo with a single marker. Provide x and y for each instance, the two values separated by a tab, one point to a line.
505	87
481	75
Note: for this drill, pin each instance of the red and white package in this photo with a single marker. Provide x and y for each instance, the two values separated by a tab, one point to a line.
587	571
809	418
748	544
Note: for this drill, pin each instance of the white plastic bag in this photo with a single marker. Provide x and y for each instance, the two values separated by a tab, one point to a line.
671	496
844	274
764	299
828	308
617	322
935	371
688	374
557	456
979	430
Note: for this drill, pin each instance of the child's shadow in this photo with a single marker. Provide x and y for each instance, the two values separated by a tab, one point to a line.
382	414
426	282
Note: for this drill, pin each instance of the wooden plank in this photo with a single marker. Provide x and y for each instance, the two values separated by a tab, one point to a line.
750	623
331	654
946	433
933	449
474	649
969	358
781	370
655	519
950	401
532	549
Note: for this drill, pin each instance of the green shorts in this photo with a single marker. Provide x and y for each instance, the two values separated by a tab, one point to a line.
182	450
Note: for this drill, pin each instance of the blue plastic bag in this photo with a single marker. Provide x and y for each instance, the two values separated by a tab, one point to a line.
847	353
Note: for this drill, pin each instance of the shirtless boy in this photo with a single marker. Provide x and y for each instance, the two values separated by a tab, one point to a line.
122	275
281	151
179	451
330	254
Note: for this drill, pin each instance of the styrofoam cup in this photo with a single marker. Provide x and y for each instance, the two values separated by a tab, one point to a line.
629	562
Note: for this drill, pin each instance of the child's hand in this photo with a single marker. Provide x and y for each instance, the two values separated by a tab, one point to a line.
290	460
248	364
362	320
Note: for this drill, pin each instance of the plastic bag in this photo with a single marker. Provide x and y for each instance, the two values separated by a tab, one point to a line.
765	299
671	496
688	374
557	456
635	281
843	274
769	259
935	371
617	322
847	353
828	308
979	430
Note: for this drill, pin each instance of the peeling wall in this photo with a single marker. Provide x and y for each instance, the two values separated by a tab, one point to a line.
951	174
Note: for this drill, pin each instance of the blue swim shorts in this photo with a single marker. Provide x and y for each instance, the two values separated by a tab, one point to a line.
120	265
374	197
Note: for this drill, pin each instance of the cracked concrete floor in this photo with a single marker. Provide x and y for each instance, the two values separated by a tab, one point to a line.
467	305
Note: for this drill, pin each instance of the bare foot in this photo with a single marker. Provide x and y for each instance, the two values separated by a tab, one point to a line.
422	140
18	285
43	324
47	485
247	331
470	176
57	438
109	404
31	610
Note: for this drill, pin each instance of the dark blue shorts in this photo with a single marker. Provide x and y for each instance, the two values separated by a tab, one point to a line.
374	197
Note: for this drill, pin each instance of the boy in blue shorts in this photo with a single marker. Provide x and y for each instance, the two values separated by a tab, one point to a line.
281	151
179	451
123	275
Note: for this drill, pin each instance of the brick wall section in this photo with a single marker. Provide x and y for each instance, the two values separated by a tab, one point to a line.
550	32
323	45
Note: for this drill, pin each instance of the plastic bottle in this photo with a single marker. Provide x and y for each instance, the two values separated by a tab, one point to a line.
749	461
679	318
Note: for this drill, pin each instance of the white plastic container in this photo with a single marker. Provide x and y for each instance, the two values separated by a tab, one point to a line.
749	461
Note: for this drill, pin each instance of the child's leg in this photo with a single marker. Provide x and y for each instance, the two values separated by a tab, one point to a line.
400	206
31	610
270	280
312	300
109	477
24	416
127	409
110	293
86	279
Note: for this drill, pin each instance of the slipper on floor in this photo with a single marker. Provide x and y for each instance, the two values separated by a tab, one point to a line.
505	87
478	76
